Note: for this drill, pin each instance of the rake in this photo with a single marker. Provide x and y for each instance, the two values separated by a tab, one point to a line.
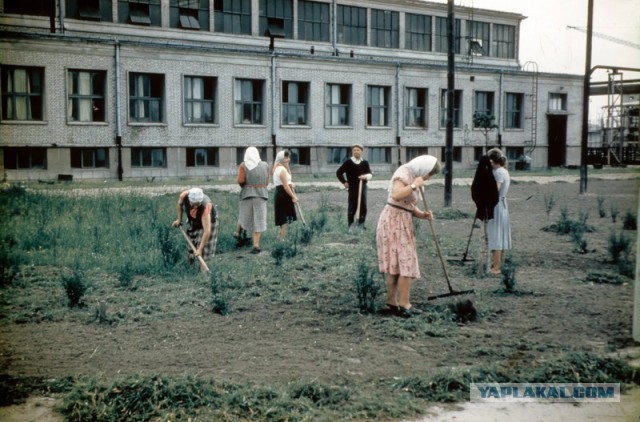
444	267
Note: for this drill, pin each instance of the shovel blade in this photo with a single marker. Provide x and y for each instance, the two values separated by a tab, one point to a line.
452	293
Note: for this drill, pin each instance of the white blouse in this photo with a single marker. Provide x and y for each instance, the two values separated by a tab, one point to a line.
276	176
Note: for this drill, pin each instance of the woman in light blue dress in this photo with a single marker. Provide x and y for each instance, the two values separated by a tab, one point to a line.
499	227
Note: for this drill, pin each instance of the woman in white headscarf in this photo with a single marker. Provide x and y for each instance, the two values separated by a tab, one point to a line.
253	178
395	238
284	198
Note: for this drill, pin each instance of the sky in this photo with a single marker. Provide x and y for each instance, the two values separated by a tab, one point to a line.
546	40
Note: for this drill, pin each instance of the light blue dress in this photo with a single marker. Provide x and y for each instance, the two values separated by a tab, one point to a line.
499	227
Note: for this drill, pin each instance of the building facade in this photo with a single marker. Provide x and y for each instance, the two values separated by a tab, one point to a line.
125	89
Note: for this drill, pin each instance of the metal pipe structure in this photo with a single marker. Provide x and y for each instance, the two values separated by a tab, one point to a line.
585	102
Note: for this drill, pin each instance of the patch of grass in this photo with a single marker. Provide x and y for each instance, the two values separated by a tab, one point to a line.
600	277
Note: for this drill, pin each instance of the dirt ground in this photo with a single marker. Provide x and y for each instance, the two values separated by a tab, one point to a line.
554	310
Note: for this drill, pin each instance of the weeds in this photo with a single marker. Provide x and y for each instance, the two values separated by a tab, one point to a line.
619	247
366	288
601	211
614	213
549	202
605	278
283	250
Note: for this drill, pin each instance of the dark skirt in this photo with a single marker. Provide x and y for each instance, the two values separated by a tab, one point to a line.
285	210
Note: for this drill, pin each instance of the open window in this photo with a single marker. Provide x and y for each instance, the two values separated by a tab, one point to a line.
139	14
475	47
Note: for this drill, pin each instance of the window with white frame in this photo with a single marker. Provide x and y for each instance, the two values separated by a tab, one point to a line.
248	101
276	15
86	95
25	158
385	28
483	104
504	41
295	102
338	101
478	33
22	93
413	152
379	155
189	14
300	156
148	157
417	32
232	16
139	12
200	99
337	155
416	100
313	21
146	97
378	110
441	41
92	158
202	157
91	10
513	111
457	108
557	102
352	25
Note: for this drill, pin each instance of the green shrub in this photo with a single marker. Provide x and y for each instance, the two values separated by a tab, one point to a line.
75	287
614	213
508	271
619	246
629	222
169	248
219	303
283	250
565	225
366	288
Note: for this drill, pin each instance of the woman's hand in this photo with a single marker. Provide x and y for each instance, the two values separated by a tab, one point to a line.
294	199
419	182
176	223
424	215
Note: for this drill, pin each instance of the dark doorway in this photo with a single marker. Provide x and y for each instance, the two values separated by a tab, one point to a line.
557	139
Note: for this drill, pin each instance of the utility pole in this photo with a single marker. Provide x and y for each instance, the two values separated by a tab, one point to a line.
448	150
585	102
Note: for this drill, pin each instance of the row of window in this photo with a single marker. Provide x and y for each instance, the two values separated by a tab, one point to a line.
23	92
19	158
353	23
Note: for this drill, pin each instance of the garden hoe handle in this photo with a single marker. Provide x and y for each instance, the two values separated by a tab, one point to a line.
297	204
435	239
466	251
193	248
359	201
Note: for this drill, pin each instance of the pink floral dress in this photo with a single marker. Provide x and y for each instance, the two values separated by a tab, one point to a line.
395	238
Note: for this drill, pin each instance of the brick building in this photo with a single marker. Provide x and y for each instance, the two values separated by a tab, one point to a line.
103	89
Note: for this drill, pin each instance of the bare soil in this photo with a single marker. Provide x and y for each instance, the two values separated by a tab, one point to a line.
554	310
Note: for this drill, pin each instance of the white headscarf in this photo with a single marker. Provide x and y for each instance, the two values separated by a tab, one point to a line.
420	166
280	156
251	158
196	195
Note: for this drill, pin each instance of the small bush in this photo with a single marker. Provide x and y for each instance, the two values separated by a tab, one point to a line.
565	225
75	287
171	252
282	251
619	247
366	288
508	270
601	211
629	221
219	303
580	241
